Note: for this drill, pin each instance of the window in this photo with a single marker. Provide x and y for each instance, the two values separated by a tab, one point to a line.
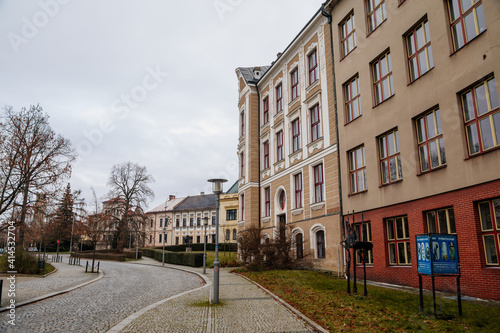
315	123
482	117
191	222
198	222
265	108
382	78
161	223
242	200
313	67
242	123
242	165
213	219
177	223
267	202
176	240
294	78
298	190
160	238
318	183
348	35
234	234
198	238
466	20
398	240
231	214
150	239
295	135
151	223
279	98
364	233
430	141
266	154
390	159
376	13
320	244
184	222
441	221
299	252
357	169
228	234
282	200
489	214
418	43
352	99
279	146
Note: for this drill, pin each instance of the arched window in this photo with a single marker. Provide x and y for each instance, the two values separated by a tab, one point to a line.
234	234
298	246
320	244
228	234
282	200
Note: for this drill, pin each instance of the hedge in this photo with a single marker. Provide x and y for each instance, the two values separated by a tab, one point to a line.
229	247
176	258
103	256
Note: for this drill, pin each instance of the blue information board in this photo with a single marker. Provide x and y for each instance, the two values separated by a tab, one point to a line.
437	254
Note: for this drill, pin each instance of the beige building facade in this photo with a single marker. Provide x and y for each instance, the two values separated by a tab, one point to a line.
288	151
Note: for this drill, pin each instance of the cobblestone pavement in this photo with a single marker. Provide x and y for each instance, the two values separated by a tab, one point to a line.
27	288
244	308
125	289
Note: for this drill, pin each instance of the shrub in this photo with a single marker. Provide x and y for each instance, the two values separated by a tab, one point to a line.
104	256
229	247
25	263
176	258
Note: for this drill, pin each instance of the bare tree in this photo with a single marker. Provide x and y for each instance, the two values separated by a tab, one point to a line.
33	157
129	182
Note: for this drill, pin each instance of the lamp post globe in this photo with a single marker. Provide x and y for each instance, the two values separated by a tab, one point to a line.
217	185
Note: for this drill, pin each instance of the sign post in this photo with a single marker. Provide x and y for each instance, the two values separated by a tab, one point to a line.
437	255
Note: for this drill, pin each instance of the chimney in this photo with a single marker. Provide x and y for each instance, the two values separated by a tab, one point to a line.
278	55
202	193
171	197
257	72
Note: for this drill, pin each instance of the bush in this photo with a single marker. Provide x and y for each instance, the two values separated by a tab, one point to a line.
25	263
176	258
229	247
103	256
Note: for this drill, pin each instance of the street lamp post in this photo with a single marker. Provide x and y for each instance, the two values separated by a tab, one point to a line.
217	189
205	223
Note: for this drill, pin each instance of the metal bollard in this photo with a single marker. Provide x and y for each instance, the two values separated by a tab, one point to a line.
1	286
87	267
98	264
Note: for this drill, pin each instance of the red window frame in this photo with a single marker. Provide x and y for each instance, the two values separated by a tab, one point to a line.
266	154
460	22
348	35
352	99
431	151
489	215
481	117
376	14
398	241
295	135
390	159
312	60
242	165
419	50
279	98
280	155
265	108
294	78
357	170
267	201
242	199
298	190
242	122
282	199
318	183
441	221
315	123
383	86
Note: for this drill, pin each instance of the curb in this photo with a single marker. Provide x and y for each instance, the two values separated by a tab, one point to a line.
302	316
36	299
121	325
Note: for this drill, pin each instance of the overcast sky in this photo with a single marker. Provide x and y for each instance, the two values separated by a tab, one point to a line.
147	81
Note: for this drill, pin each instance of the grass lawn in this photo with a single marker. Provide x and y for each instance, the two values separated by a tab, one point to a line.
226	259
323	298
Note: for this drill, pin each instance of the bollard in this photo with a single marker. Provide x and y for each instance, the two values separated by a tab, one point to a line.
87	267
1	286
98	266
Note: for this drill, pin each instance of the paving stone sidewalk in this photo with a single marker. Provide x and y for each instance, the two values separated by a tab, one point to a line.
28	288
244	308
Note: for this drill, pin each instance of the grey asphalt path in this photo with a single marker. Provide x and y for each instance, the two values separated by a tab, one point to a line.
245	307
125	289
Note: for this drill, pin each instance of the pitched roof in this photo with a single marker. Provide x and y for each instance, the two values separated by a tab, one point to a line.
170	205
233	189
247	73
198	202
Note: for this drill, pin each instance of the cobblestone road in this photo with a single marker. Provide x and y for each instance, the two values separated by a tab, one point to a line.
125	289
